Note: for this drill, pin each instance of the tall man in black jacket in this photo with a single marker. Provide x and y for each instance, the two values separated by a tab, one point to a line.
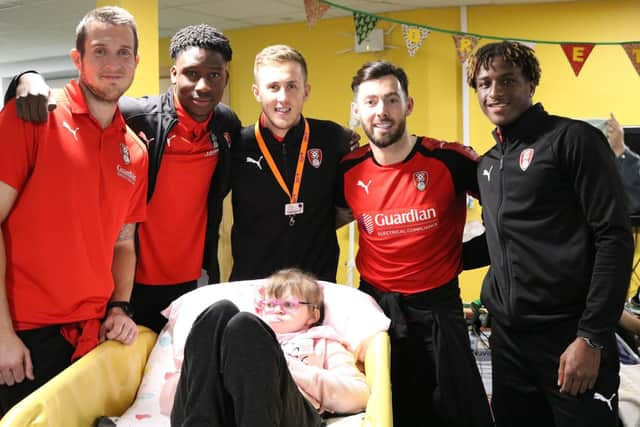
560	246
188	133
284	176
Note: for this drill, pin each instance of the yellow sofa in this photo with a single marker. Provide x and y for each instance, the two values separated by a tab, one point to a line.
105	382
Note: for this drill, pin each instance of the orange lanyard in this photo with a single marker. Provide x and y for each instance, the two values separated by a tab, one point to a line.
293	196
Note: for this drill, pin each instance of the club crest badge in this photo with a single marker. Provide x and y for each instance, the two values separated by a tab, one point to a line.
420	180
126	157
315	157
526	157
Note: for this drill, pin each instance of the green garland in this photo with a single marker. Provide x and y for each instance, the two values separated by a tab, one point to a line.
461	33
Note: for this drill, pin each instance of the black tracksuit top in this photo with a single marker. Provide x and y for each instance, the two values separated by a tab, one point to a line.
559	238
262	240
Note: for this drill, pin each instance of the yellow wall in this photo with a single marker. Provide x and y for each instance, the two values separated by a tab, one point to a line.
608	82
145	13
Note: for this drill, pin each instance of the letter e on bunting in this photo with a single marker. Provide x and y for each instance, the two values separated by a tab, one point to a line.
314	10
577	54
464	46
633	52
413	37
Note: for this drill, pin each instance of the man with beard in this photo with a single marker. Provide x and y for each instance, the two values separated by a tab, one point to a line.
408	195
71	192
188	132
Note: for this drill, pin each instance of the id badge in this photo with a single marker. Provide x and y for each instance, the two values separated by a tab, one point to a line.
293	209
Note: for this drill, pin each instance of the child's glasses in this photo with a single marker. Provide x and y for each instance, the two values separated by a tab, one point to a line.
287	305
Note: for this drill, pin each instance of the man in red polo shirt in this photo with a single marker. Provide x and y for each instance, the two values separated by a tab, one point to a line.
188	132
71	191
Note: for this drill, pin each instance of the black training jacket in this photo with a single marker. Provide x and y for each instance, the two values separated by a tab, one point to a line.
262	240
155	116
559	238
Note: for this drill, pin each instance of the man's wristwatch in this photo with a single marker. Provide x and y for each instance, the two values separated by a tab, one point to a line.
592	344
123	305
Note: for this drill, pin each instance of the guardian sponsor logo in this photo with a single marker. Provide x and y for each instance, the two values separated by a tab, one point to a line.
126	174
408	221
366	222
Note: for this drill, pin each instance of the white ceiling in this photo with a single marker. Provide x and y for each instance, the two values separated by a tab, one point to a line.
45	28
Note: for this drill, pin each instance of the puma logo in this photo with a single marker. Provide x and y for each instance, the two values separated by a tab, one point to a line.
256	162
487	173
363	185
144	138
598	396
74	132
169	138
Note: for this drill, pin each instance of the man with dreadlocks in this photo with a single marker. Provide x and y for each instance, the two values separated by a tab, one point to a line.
188	132
560	246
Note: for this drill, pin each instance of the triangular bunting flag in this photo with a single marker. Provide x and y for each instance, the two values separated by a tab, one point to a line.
314	10
413	37
633	52
464	45
577	54
364	24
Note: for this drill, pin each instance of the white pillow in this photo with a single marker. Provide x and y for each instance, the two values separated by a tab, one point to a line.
352	313
145	410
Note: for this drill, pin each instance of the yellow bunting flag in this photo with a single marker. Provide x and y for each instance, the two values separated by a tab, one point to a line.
633	52
413	37
314	10
577	54
464	45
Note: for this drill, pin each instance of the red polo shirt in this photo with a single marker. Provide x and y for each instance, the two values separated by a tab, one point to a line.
78	185
172	237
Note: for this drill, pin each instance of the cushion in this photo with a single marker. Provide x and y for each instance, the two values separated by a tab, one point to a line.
353	314
145	410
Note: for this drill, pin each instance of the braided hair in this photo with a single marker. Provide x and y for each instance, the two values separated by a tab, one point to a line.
517	54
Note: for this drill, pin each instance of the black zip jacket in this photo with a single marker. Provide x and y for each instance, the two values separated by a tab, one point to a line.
558	234
629	167
262	240
154	116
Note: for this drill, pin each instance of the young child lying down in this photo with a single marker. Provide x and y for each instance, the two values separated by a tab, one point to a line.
279	367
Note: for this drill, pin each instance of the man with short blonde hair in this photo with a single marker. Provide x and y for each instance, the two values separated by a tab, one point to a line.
283	177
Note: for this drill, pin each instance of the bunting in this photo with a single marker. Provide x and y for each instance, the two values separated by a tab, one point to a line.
464	45
633	52
413	37
414	34
364	24
314	10
577	54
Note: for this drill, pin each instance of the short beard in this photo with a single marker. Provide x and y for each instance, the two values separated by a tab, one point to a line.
100	95
389	139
